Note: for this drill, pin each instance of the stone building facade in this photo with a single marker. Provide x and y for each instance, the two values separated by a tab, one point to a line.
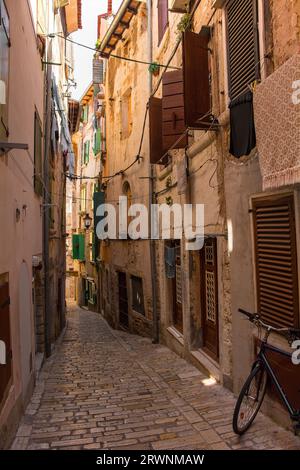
195	150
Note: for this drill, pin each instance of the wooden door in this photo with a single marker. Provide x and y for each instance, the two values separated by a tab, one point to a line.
123	300
177	291
5	369
209	297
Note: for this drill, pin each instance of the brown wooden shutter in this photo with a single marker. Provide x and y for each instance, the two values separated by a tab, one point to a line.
162	14
155	127
197	100
173	110
5	370
243	55
276	261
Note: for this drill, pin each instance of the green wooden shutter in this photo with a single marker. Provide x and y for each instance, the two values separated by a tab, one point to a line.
75	246
97	144
81	247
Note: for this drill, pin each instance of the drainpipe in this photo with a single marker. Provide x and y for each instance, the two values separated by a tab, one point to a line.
151	194
46	207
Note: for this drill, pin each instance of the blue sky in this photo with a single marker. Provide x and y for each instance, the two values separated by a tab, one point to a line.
87	35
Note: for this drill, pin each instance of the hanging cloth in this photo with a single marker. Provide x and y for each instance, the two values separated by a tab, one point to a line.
242	127
170	262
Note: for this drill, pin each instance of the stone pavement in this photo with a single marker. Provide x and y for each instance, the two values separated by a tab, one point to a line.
105	389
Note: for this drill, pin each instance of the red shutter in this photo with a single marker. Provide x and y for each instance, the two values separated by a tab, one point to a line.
155	126
196	80
173	110
5	370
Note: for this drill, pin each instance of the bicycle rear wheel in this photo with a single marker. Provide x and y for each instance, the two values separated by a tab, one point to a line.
250	400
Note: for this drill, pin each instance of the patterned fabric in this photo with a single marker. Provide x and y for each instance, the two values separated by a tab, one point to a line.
277	121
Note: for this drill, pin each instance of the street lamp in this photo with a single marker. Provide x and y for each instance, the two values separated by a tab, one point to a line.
87	221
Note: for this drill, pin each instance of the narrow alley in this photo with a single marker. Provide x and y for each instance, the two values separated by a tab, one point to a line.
106	389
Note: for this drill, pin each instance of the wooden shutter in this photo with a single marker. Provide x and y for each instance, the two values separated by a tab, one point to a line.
155	128
173	110
197	102
81	240
75	246
276	261
162	14
5	369
243	55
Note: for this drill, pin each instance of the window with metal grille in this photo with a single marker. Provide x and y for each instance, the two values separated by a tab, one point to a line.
163	18
137	295
242	45
276	260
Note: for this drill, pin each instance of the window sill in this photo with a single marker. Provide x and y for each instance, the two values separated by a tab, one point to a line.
175	333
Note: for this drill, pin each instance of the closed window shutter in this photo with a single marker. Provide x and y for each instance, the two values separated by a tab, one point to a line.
75	246
155	128
98	200
162	13
276	261
173	111
197	100
243	56
81	254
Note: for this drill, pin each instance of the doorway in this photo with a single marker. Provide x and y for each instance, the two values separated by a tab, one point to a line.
209	298
177	290
123	300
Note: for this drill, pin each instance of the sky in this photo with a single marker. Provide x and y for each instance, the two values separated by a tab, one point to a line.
88	36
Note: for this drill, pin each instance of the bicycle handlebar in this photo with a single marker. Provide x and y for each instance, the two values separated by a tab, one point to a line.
255	318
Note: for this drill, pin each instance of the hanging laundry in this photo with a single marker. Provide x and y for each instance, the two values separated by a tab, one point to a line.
170	262
242	127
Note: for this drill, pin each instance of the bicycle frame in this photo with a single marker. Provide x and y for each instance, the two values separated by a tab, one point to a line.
295	414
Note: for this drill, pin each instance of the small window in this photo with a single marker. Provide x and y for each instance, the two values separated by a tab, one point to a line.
38	152
86	152
137	295
163	18
243	48
83	198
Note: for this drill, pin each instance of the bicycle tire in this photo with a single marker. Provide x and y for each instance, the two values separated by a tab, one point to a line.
237	428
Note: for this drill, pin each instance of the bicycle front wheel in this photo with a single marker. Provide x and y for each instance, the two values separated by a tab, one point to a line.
250	400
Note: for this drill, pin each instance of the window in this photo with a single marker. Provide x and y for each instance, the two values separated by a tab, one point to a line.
243	49
41	17
126	116
163	18
83	198
97	141
85	114
86	152
137	295
276	260
38	152
4	68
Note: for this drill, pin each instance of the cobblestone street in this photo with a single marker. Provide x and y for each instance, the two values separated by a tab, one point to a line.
105	389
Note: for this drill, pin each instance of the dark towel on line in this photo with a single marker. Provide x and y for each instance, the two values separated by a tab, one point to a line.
242	127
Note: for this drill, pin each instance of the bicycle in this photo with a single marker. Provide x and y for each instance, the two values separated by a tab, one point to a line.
254	389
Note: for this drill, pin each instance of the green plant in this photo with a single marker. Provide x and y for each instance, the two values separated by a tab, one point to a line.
184	24
169	200
154	68
97	45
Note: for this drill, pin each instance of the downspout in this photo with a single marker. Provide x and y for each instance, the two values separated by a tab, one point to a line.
46	206
155	331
